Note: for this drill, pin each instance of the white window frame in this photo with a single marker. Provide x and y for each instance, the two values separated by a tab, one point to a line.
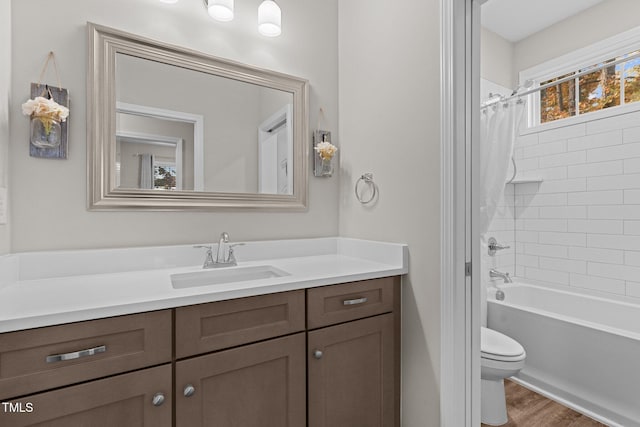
595	53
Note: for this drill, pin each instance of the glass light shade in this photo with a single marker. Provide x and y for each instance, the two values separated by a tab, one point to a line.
221	10
269	19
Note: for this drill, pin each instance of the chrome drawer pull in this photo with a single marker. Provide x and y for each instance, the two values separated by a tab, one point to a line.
76	354
354	301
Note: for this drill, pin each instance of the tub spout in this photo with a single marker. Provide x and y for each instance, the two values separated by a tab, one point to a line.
504	276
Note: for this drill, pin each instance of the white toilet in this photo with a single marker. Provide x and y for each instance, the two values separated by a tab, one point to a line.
502	357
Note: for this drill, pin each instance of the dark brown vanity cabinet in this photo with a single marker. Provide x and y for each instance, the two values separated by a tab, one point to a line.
351	374
321	357
141	398
256	385
260	381
353	366
98	373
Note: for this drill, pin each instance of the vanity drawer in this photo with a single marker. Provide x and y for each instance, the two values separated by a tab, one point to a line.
44	358
333	304
213	326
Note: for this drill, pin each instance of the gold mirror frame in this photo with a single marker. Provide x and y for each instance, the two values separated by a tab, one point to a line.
104	44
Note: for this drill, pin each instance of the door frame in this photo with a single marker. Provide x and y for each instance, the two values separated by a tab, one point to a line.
460	292
282	117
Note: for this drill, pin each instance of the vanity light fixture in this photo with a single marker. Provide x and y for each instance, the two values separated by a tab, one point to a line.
220	10
269	19
269	14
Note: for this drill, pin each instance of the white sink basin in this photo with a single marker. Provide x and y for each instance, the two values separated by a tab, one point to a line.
225	275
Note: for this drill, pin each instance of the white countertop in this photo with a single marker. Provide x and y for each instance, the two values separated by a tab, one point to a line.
49	288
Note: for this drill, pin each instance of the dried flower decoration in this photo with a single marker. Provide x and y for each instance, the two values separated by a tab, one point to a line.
43	107
326	150
46	110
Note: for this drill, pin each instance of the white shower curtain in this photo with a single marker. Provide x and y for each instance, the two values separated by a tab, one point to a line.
499	125
146	171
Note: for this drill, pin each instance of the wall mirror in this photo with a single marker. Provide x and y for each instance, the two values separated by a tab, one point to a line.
170	129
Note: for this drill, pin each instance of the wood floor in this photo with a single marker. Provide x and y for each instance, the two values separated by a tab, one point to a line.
529	409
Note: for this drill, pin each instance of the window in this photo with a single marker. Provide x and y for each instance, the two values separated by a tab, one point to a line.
164	176
599	80
607	86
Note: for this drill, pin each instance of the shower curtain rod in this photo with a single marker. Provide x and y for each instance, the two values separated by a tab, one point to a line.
562	80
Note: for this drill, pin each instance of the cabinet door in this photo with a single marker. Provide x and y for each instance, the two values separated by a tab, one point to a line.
256	385
351	374
123	400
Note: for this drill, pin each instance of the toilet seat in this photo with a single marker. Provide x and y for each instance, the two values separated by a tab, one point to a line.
499	347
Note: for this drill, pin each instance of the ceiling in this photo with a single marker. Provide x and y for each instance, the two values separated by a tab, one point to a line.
515	20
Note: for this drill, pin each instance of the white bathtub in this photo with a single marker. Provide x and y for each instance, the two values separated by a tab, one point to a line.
582	350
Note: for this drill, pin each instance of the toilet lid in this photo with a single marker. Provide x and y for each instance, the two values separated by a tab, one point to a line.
494	345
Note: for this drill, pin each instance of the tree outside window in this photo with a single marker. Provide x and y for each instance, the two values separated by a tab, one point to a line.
610	86
164	177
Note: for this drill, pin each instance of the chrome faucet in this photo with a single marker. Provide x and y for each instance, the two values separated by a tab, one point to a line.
224	252
224	256
493	273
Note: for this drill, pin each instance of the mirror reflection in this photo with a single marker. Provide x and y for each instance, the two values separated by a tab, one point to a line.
180	129
153	152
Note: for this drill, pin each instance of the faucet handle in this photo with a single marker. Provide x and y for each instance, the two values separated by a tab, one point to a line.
232	257
208	262
494	246
209	249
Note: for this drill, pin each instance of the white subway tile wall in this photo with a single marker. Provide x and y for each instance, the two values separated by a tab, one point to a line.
581	226
502	228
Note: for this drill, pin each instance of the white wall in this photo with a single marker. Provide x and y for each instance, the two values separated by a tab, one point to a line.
502	228
49	204
496	59
604	20
581	226
5	90
389	125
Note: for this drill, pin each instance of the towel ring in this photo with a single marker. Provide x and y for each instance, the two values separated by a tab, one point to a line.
368	178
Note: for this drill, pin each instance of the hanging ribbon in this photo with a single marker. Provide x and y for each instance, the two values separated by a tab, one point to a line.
46	91
321	118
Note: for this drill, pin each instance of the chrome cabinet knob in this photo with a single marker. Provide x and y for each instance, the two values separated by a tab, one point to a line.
189	390
158	399
318	354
